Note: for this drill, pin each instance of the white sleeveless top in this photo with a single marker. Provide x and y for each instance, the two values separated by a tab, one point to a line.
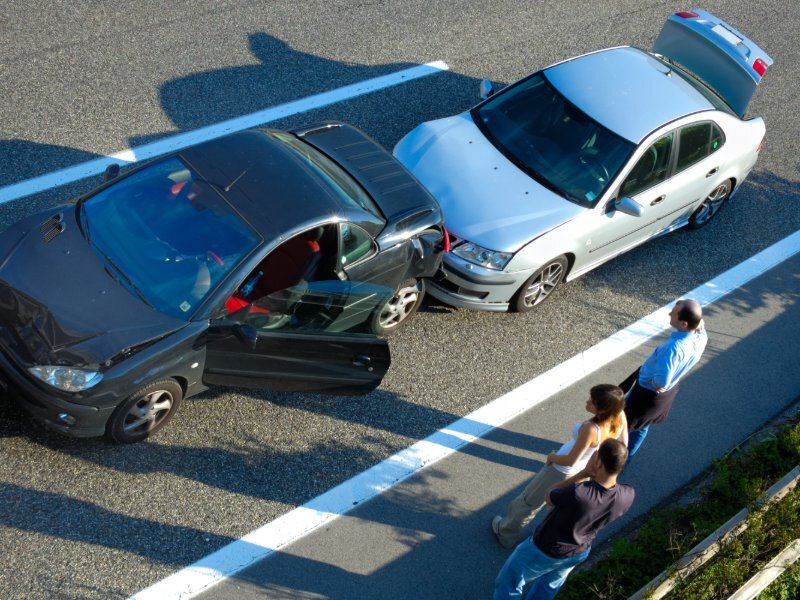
567	447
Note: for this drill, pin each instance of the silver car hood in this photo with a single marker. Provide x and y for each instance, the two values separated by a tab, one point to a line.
485	198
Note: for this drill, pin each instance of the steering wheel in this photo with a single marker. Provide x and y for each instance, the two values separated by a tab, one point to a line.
596	168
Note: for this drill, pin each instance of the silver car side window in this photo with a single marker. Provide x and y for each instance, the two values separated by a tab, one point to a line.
651	168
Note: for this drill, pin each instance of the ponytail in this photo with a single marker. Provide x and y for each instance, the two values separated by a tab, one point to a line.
609	402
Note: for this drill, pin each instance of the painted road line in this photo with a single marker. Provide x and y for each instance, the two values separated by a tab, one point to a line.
302	521
182	140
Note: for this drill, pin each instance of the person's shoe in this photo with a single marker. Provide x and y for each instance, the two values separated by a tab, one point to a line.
496	531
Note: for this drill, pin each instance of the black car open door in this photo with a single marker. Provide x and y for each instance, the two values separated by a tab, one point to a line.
317	336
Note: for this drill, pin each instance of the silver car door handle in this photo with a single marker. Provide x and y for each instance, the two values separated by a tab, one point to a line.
712	171
363	361
657	200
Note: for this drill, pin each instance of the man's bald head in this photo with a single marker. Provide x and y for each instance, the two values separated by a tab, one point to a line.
690	312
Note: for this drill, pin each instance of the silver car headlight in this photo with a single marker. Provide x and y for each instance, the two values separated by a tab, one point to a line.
68	379
490	259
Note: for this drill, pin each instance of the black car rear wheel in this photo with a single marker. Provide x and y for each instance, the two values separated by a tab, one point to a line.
145	411
401	306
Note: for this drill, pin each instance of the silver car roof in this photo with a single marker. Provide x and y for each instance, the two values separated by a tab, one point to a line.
626	90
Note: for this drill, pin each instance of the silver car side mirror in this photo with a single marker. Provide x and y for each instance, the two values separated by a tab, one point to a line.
486	89
629	206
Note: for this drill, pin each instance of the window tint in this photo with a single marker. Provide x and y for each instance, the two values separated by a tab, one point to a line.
321	307
717	139
651	169
356	243
341	183
167	235
553	140
695	141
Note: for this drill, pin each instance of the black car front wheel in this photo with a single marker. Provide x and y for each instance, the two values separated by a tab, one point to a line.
145	411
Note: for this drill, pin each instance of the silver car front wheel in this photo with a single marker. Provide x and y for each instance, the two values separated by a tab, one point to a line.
540	285
710	207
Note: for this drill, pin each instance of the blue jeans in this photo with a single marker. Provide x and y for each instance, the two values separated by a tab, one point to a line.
635	439
528	564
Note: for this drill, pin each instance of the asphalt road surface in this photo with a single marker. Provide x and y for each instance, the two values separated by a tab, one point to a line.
78	80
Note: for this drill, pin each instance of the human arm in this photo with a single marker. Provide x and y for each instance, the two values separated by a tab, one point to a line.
623	434
555	493
587	436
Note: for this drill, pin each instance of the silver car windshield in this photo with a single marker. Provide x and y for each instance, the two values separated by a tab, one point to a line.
557	144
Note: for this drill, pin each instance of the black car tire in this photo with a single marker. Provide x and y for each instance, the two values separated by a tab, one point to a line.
145	411
539	286
711	205
402	305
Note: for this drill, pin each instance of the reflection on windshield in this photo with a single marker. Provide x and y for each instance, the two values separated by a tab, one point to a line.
168	235
551	139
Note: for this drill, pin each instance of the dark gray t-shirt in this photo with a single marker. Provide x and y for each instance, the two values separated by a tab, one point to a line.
579	512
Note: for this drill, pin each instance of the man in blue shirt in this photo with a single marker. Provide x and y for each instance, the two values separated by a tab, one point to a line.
650	399
563	540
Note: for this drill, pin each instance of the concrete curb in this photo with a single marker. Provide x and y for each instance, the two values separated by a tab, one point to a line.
769	573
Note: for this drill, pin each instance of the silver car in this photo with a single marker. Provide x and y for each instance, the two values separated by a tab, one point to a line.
581	161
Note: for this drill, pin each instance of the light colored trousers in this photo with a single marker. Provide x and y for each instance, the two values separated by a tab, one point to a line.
522	509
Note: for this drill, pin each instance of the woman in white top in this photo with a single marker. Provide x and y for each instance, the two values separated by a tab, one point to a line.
606	403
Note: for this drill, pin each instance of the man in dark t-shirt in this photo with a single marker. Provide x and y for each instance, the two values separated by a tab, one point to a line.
579	510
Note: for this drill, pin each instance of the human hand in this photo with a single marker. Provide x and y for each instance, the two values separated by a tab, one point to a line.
549	459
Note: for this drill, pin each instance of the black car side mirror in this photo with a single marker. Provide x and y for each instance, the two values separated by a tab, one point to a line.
111	172
246	334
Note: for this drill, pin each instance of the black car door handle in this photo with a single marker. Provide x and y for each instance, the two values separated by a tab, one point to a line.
363	361
657	200
712	171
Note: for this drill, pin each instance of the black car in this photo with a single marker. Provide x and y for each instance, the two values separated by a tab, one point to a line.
265	259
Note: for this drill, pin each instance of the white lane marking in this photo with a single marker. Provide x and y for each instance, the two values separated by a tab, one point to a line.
302	521
182	140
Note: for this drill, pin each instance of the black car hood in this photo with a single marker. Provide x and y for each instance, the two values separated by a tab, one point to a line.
59	305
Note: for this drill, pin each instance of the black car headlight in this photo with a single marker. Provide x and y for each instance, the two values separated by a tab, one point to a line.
67	379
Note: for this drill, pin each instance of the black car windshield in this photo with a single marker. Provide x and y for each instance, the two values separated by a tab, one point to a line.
166	235
339	180
547	136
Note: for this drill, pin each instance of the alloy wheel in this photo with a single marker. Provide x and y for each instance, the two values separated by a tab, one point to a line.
711	205
541	287
148	413
402	305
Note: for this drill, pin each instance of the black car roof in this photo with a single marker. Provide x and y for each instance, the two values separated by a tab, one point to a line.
265	181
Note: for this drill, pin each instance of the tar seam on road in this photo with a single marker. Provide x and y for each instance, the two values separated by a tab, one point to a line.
210	132
336	502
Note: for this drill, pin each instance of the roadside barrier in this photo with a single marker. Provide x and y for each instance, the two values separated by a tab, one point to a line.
769	573
666	581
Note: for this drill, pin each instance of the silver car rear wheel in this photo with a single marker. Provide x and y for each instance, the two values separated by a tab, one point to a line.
540	285
710	207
